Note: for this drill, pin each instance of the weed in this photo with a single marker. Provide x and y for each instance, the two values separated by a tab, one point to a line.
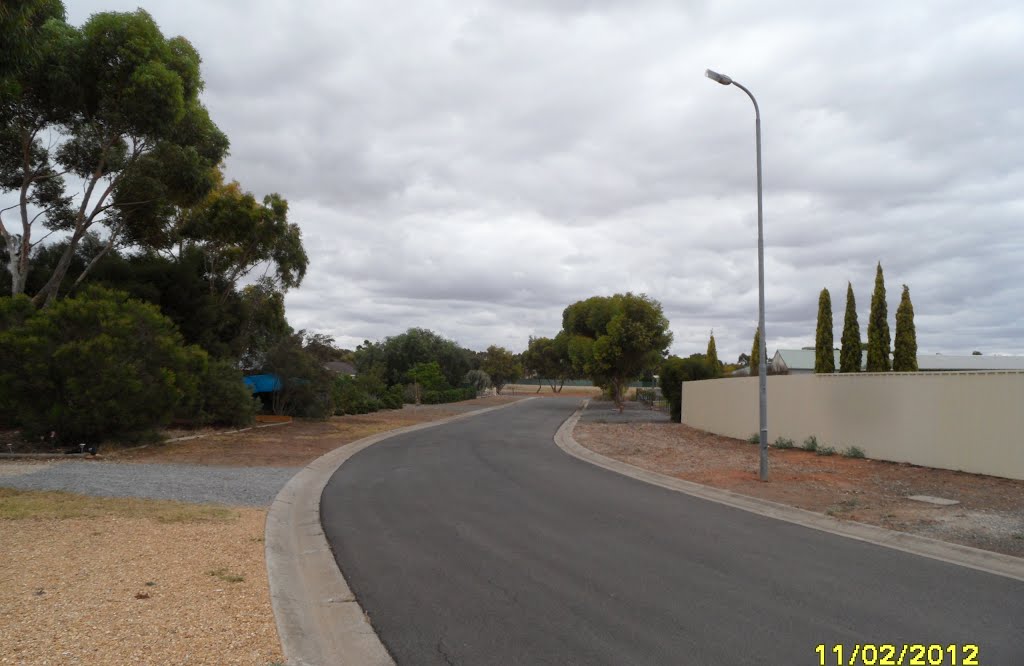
811	443
1019	535
854	452
754	439
783	443
223	574
826	450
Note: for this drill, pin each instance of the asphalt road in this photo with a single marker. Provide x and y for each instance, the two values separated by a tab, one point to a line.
481	542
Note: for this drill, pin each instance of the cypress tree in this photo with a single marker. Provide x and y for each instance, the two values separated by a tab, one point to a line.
824	357
755	353
712	356
849	354
878	327
904	358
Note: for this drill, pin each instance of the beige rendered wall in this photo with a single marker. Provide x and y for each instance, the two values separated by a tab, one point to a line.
970	421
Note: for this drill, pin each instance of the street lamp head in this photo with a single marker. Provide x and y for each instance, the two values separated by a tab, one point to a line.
715	76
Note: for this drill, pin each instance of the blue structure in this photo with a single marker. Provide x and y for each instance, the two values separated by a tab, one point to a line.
262	383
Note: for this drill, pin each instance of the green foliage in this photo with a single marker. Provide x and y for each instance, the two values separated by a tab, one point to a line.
306	387
615	339
448	395
755	353
479	380
222	398
811	443
501	366
392	358
826	451
363	394
428	376
850	352
712	356
824	356
904	357
549	359
853	452
754	438
674	371
96	366
878	327
783	443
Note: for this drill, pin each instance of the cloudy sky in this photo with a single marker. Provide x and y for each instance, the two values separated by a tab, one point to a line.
474	167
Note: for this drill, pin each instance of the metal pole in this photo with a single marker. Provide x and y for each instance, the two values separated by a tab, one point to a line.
762	372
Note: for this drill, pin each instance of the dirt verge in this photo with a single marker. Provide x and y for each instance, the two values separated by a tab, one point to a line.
990	513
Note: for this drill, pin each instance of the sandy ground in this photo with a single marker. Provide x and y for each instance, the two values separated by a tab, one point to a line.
110	589
990	514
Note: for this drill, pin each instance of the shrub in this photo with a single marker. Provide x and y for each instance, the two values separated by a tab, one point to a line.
478	379
783	443
854	452
811	443
95	366
393	397
223	398
674	371
755	438
826	451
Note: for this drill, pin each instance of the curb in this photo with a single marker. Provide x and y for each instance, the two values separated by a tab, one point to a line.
319	620
965	556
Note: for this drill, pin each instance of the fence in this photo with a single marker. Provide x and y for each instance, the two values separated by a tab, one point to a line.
970	421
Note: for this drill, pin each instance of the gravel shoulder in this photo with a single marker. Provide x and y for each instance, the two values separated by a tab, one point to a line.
989	515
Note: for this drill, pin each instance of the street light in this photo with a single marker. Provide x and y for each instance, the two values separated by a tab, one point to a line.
763	369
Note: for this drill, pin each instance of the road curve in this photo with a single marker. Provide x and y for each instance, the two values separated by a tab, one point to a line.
481	542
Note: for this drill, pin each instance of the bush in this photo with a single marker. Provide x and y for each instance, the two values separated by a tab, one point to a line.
826	451
783	443
223	398
478	379
811	443
754	439
393	397
854	452
448	395
674	371
93	367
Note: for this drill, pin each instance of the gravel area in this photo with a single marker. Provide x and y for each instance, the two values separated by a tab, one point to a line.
605	411
236	486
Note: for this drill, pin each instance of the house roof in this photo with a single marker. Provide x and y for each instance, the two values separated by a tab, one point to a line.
799	359
340	367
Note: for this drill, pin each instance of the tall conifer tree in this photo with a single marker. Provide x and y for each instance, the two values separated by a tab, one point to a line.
904	358
712	356
878	327
824	356
850	352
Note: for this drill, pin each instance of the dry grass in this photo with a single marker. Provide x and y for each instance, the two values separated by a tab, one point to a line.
55	505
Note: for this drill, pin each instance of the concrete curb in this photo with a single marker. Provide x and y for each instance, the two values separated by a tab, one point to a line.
974	558
319	620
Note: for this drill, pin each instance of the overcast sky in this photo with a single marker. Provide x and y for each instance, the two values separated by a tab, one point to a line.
474	167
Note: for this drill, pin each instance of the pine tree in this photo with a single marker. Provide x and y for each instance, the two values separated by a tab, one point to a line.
824	357
904	357
712	356
878	327
850	353
755	353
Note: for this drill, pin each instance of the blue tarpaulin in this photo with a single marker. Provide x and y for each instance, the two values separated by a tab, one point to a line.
262	383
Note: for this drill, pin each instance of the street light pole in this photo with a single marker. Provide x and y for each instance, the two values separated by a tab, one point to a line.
762	371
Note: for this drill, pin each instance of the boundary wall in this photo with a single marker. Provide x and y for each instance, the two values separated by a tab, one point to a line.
969	421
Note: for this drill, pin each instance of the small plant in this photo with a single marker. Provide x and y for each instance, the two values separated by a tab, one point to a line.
223	574
754	439
854	452
826	451
811	443
783	443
